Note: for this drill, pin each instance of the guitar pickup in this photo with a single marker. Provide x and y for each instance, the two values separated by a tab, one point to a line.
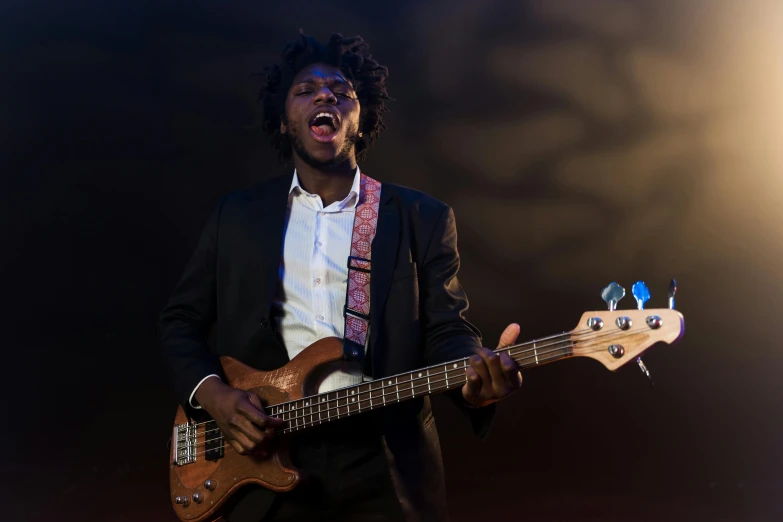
214	441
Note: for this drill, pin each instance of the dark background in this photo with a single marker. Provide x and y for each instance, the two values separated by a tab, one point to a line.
579	142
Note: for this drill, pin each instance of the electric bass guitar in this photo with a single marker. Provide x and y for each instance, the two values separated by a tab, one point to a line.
205	471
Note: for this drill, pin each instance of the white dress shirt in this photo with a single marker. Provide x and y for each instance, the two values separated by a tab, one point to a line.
314	275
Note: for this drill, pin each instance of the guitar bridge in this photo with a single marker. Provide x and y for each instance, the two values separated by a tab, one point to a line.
183	447
186	448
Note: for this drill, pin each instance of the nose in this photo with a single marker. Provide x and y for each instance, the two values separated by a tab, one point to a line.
324	95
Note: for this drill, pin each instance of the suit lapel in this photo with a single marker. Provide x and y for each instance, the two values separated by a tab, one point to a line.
267	210
384	256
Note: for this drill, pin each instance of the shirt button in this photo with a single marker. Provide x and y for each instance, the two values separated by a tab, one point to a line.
319	244
318	280
319	317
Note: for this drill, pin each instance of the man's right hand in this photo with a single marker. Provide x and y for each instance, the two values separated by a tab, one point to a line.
239	415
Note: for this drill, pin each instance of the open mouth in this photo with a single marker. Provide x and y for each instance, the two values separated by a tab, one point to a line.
324	126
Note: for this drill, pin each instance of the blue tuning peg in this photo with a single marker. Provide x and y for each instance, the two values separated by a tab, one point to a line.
612	295
641	293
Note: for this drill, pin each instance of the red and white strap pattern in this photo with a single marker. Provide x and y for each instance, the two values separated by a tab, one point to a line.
364	226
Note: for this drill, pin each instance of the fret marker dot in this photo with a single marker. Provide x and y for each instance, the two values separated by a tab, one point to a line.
353	399
323	400
419	374
389	382
352	392
307	404
455	365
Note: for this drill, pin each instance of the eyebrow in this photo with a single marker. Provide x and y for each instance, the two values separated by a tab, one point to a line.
332	79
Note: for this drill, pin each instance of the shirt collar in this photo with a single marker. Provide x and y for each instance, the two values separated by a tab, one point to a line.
350	201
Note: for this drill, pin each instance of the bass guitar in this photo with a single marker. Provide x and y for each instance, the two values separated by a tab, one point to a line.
205	471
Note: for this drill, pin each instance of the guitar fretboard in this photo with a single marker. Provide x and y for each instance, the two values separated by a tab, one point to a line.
352	400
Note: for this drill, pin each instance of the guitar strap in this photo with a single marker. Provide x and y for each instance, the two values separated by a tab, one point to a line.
357	300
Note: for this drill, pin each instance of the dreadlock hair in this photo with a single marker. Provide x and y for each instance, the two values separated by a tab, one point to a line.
351	56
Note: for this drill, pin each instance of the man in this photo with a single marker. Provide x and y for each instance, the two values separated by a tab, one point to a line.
270	274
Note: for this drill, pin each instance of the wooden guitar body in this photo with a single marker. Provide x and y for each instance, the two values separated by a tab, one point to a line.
201	487
205	472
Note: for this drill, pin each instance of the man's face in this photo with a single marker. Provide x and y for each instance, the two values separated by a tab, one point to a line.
322	116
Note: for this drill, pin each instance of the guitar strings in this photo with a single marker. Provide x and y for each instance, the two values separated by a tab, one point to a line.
497	350
432	386
313	423
537	351
307	424
534	349
518	357
407	386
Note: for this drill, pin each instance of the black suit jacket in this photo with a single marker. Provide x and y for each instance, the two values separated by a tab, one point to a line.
417	315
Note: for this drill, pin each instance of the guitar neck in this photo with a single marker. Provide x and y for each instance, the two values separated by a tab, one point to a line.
352	400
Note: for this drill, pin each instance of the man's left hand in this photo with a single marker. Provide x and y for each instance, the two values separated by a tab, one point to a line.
492	375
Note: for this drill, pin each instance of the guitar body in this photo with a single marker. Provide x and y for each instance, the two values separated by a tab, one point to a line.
233	471
205	472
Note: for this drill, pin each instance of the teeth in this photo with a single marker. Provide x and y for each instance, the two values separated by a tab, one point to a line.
328	115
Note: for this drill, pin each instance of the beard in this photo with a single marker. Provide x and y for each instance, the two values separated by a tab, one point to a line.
345	151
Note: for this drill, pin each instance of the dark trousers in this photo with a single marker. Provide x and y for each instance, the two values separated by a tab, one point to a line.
348	476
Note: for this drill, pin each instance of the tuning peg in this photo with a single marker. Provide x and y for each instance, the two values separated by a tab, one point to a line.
672	291
645	370
641	293
612	295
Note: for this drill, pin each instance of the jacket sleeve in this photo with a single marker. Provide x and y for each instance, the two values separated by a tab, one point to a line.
448	334
185	322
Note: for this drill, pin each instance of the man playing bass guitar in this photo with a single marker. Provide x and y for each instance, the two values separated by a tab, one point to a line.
270	276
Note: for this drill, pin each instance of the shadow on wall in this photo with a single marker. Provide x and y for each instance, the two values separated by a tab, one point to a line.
634	119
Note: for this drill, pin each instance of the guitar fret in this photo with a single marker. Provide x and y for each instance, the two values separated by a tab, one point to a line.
338	405
429	388
446	370
535	352
397	387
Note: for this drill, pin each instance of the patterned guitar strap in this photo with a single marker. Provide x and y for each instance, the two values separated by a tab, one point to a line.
357	302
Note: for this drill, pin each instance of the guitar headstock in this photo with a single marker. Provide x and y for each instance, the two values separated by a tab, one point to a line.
617	337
